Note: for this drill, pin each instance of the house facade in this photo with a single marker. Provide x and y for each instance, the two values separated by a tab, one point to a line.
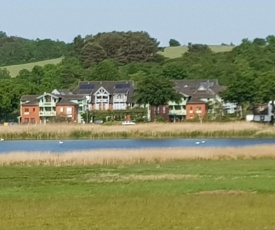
37	109
107	95
199	98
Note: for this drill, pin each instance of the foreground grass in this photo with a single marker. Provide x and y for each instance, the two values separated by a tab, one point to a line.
186	194
149	130
15	69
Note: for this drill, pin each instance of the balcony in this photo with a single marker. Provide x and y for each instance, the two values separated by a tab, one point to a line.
47	104
177	112
119	100
47	113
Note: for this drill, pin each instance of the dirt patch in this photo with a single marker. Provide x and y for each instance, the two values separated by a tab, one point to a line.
108	177
225	192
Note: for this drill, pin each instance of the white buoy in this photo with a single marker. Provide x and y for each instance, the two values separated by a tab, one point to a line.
60	142
1	139
202	142
197	143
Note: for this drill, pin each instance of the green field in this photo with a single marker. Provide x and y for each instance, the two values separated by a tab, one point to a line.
197	194
14	69
175	52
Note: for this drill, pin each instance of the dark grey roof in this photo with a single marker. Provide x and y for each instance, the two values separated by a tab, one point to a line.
65	101
117	91
89	88
195	100
29	99
62	92
189	87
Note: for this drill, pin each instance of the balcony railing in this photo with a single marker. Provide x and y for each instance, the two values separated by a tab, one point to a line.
47	104
47	113
115	100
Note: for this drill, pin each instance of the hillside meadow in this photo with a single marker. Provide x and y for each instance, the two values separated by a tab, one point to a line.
15	69
144	130
178	51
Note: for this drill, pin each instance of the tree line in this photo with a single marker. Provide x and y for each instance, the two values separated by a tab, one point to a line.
248	70
16	50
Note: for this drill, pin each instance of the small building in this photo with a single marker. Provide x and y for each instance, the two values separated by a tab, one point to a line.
263	113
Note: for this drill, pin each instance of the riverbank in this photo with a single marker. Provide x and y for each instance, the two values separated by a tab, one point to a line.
138	131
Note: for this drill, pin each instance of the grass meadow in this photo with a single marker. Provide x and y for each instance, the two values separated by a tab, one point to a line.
146	130
230	188
176	52
15	69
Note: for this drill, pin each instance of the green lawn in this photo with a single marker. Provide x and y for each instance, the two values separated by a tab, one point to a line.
175	52
15	69
212	194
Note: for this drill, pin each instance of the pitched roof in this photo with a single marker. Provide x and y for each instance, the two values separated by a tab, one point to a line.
29	99
65	101
89	88
189	87
62	92
195	100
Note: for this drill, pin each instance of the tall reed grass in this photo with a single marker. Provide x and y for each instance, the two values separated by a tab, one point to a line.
134	156
150	130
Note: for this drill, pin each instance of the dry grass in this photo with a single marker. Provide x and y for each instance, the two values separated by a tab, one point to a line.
133	156
149	127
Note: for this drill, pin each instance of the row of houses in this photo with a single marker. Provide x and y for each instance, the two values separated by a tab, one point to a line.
199	98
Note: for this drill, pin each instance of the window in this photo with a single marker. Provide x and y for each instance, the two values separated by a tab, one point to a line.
69	110
163	109
61	109
33	109
26	110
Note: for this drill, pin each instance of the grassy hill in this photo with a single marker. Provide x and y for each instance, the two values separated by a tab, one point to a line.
175	52
14	69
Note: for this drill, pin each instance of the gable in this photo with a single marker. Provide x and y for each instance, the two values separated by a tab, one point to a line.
101	91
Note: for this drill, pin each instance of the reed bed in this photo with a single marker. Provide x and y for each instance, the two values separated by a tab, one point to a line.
149	130
134	156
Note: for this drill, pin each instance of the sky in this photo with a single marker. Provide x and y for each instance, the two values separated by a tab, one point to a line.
209	22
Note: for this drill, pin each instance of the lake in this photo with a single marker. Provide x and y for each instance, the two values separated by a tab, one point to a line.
75	145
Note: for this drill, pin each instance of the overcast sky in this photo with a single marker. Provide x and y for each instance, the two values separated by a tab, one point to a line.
196	21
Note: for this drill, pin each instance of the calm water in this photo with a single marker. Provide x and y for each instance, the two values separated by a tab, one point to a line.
74	145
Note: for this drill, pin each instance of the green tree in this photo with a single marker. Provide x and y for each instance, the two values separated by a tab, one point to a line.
174	70
92	53
173	42
156	91
4	74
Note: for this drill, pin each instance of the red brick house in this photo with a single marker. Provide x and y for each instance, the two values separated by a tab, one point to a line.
36	109
195	108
